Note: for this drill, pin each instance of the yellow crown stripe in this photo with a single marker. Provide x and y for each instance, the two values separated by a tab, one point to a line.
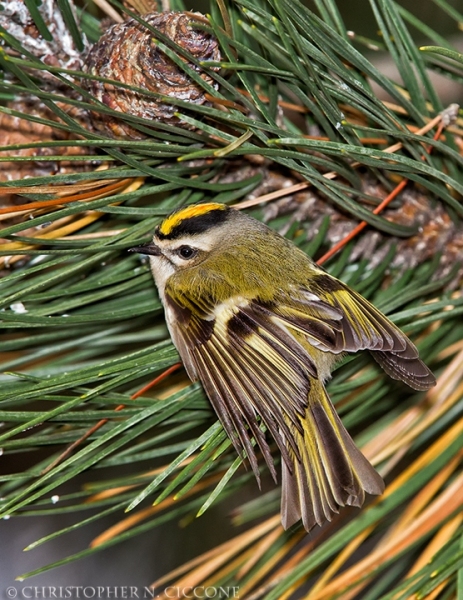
195	210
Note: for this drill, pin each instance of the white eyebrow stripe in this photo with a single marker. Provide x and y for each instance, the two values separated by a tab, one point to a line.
200	242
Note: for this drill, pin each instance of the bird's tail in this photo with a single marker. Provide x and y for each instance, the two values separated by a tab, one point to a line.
331	471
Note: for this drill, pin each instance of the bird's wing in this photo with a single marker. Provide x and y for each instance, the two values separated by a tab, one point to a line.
256	372
249	364
335	319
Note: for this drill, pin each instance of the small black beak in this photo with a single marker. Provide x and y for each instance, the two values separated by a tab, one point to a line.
148	248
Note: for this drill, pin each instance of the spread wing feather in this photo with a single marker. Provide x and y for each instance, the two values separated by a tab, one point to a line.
240	357
338	320
234	412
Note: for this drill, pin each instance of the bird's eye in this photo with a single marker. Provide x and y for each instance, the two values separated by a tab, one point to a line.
186	252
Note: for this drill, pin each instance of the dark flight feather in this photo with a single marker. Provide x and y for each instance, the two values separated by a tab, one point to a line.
346	322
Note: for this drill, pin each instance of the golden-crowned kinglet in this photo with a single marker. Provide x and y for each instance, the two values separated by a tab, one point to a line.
261	326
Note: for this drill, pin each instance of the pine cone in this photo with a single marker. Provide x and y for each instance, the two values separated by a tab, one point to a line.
128	53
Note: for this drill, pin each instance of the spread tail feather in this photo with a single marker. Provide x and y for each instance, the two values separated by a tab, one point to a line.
331	472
